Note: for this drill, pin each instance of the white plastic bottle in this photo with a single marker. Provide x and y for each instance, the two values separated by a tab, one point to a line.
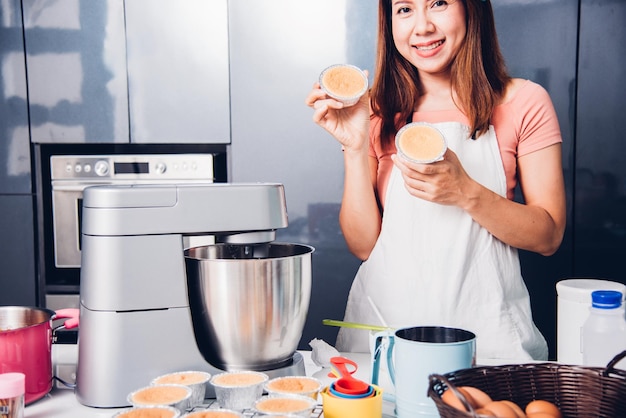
604	332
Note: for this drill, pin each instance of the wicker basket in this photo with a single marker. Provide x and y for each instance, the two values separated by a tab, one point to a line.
579	392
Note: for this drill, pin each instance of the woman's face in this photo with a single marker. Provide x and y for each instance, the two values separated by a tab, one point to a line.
428	33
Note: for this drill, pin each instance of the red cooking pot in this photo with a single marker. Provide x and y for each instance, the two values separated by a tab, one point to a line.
26	337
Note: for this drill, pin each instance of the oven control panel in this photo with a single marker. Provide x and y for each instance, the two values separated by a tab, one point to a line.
132	167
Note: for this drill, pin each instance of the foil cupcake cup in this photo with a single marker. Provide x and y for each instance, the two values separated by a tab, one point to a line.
294	385
176	396
344	82
149	411
421	142
195	380
214	412
277	405
238	390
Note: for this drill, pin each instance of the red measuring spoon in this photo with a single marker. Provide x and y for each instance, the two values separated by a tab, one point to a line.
347	383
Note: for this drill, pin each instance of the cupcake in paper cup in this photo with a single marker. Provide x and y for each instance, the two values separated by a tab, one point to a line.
238	390
294	385
195	380
421	142
149	412
344	82
274	405
176	396
214	413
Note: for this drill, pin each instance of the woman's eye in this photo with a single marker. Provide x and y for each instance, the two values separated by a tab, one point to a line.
402	10
439	4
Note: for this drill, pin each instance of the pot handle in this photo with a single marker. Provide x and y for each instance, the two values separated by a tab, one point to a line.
72	314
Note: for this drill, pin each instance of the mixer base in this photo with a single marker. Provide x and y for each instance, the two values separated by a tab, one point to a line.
296	368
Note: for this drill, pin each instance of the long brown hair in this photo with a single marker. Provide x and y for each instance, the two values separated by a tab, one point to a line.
479	75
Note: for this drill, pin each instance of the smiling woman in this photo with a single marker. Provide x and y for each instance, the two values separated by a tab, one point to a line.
439	241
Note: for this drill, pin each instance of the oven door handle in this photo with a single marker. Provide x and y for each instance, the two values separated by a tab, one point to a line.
74	187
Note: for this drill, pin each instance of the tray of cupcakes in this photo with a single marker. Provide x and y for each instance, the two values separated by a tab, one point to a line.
237	394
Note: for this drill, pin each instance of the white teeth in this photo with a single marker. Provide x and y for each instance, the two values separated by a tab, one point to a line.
429	47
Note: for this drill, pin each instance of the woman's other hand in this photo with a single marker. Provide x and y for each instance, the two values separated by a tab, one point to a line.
536	225
444	182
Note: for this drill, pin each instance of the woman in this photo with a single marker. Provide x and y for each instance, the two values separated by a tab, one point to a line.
440	240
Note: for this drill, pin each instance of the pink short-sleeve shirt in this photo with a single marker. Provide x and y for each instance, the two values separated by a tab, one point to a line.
527	122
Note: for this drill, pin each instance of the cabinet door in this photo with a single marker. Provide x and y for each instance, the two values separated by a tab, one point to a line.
14	142
539	42
76	65
17	263
278	49
600	193
178	71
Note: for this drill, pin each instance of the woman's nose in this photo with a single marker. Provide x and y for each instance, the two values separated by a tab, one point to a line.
423	23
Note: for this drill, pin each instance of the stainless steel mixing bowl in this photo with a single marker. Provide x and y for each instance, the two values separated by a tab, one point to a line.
249	302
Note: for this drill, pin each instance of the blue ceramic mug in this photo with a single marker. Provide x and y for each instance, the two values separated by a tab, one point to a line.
415	353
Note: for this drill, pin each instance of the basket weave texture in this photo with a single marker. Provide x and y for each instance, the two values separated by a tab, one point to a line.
578	391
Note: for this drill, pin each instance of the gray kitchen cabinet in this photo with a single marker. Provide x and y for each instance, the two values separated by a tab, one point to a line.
14	142
17	262
76	64
600	189
127	71
17	259
178	74
274	138
539	42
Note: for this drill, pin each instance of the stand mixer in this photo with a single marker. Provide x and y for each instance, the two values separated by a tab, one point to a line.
153	303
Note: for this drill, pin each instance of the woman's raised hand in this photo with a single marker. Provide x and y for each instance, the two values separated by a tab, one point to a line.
348	124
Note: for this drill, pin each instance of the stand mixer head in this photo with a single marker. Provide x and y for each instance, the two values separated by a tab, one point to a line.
150	306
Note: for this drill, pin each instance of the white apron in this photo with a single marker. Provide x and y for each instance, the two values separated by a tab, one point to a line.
434	265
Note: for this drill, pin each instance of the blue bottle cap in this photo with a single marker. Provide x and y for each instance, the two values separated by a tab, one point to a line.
606	299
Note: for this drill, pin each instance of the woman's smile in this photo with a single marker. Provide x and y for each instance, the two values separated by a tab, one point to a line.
427	50
429	46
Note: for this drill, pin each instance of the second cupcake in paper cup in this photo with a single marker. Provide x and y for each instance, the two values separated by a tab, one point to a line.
421	142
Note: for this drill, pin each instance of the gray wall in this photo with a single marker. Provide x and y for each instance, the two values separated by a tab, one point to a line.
278	48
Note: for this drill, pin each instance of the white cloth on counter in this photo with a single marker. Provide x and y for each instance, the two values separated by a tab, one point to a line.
434	265
322	352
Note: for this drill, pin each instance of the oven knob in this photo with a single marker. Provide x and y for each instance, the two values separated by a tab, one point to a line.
101	168
160	167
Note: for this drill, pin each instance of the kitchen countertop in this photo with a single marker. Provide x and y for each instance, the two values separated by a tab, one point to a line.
63	403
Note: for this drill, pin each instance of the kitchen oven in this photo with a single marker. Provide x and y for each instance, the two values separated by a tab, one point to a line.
64	171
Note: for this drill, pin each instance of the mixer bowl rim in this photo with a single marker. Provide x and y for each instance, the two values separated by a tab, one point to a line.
305	250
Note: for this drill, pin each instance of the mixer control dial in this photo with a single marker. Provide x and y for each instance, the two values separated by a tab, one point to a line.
101	168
